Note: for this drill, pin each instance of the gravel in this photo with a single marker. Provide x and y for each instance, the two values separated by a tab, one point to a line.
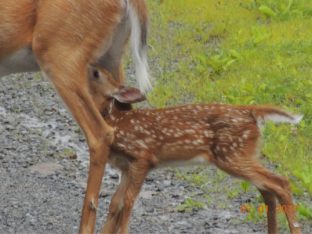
43	169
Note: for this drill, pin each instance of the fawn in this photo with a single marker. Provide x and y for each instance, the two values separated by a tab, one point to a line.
224	135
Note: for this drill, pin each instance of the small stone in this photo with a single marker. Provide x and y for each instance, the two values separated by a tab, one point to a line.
114	176
45	169
150	210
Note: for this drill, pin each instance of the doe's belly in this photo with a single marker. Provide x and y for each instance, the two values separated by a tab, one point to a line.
22	60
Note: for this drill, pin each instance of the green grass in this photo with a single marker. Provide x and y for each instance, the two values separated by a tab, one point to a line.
190	204
240	52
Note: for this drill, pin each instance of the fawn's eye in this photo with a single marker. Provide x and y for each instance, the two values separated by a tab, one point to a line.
96	74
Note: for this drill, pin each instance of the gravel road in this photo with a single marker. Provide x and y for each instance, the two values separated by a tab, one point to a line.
43	169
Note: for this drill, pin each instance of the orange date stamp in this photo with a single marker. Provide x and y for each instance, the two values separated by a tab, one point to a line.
263	208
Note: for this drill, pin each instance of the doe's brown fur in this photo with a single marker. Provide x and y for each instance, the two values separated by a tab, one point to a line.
60	37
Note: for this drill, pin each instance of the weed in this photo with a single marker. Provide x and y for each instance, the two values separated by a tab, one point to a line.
305	211
245	185
67	153
256	213
189	205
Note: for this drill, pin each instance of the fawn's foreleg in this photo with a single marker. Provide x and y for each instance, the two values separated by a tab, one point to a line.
125	196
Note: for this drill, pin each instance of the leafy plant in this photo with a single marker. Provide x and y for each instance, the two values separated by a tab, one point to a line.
267	11
305	211
189	205
245	185
255	213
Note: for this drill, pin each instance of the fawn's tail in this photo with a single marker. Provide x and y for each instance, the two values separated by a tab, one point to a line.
274	114
139	26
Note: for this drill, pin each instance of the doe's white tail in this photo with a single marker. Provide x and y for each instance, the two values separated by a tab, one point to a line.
139	48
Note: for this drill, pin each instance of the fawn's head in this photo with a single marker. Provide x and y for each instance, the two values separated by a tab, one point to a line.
104	89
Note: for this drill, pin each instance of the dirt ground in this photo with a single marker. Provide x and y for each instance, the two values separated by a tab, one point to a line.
43	169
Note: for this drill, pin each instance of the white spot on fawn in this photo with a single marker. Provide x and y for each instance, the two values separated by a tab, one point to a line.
246	134
190	131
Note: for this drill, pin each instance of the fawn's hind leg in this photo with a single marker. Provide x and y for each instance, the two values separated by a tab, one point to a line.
270	201
268	183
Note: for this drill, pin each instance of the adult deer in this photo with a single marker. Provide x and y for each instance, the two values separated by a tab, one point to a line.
61	37
224	135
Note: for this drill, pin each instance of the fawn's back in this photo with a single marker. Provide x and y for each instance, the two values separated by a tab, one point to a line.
183	132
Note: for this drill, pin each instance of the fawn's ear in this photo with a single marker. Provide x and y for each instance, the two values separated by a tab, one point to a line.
129	95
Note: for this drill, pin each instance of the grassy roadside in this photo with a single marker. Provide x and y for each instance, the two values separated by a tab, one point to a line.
241	52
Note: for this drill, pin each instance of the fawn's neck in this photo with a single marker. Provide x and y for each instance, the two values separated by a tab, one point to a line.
114	110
